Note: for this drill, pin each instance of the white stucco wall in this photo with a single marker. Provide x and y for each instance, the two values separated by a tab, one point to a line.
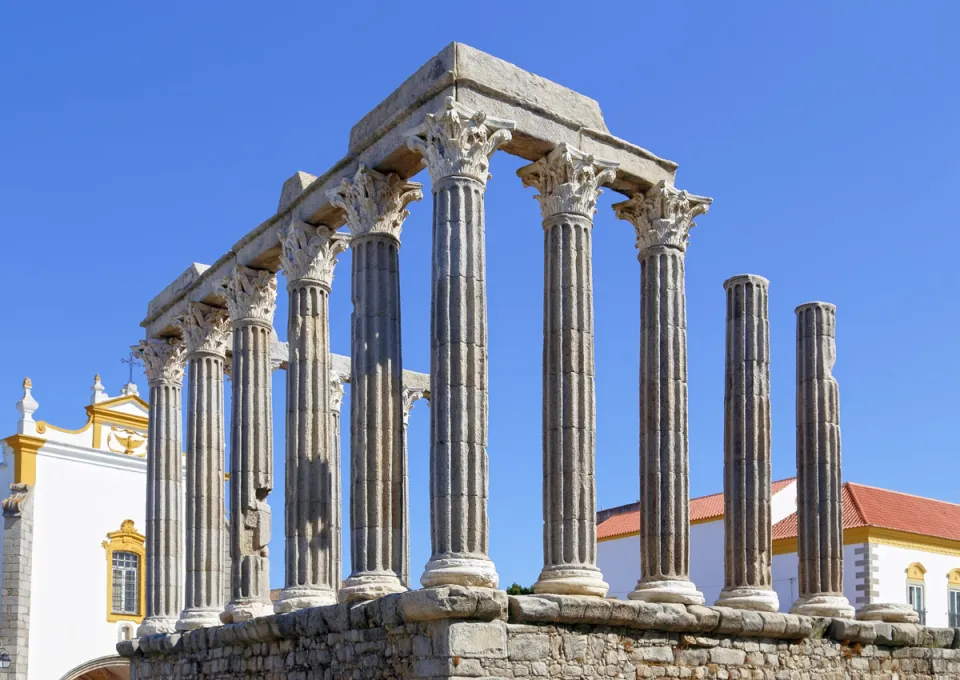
891	578
80	495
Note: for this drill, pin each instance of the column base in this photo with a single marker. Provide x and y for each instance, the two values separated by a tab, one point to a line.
191	619
888	612
833	606
754	599
302	597
154	625
580	580
245	610
370	586
667	590
460	571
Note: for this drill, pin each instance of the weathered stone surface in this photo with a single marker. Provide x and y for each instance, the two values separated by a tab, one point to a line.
819	502
569	184
251	299
453	602
662	218
375	205
312	498
747	528
456	145
163	363
206	331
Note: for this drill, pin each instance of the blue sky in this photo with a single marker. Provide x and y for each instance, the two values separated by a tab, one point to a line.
135	139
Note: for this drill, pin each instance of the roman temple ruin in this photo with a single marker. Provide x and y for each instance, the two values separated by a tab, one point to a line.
449	118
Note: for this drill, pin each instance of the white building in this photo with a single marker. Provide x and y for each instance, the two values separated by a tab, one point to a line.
73	544
898	548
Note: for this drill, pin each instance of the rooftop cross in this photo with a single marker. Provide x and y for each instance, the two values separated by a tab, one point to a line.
132	360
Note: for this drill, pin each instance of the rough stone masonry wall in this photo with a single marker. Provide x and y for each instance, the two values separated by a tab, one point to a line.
463	632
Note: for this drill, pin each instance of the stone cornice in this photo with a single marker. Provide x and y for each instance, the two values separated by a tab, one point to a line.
251	294
205	329
375	203
663	216
310	253
458	141
163	360
568	181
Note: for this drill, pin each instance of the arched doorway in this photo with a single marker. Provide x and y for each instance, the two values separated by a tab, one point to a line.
104	668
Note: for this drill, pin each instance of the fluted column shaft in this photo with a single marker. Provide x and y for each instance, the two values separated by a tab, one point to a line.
402	490
312	491
374	205
569	183
819	500
251	298
456	144
663	218
163	363
748	539
337	392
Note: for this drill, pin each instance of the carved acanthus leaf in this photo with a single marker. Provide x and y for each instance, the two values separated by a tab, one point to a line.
337	390
410	396
251	294
663	216
459	141
205	329
163	360
310	253
375	203
568	180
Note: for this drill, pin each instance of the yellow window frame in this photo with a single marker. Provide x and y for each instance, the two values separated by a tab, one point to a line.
127	539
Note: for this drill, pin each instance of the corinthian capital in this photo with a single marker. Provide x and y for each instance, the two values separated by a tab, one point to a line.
310	253
251	294
375	203
205	329
337	390
663	216
568	180
163	360
459	141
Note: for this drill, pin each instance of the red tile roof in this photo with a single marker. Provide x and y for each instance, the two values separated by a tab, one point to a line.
702	509
868	506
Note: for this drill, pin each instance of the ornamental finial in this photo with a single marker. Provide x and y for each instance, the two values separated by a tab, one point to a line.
568	180
459	141
98	394
375	203
662	216
26	406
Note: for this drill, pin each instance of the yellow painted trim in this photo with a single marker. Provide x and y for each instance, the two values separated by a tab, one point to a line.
25	450
953	578
916	572
100	415
881	536
126	539
43	426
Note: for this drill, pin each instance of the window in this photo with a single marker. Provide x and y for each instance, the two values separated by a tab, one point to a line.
126	568
126	554
953	595
915	590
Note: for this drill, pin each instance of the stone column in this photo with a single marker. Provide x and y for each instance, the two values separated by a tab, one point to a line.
569	184
163	362
456	144
819	502
16	578
747	528
402	491
375	209
206	332
662	218
309	257
337	393
251	298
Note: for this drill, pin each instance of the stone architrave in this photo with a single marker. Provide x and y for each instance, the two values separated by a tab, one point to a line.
206	333
402	491
456	144
569	184
747	527
312	572
251	299
662	218
163	362
375	208
819	501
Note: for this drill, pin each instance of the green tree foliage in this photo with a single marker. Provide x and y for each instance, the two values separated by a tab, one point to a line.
517	589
